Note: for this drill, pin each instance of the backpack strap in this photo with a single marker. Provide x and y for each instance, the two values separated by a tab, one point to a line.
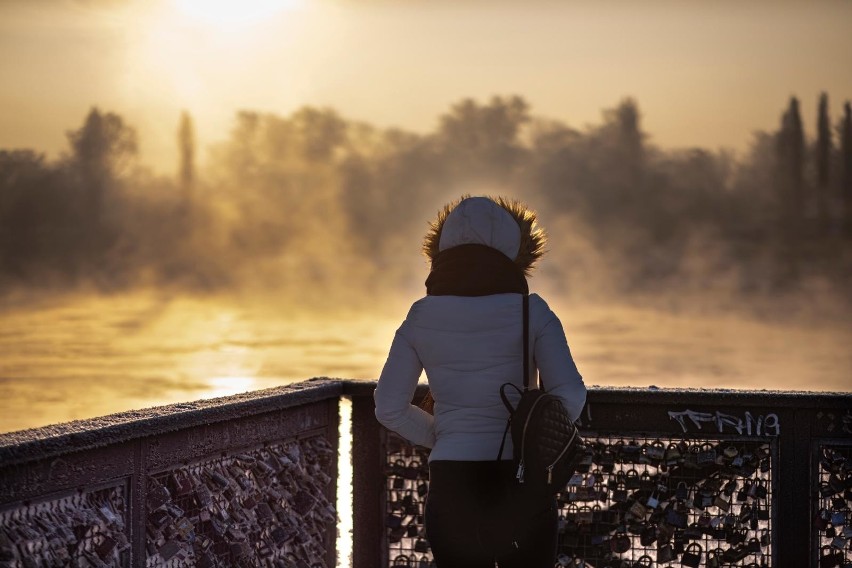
526	309
526	373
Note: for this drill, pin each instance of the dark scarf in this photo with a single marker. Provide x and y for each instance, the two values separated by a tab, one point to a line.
474	270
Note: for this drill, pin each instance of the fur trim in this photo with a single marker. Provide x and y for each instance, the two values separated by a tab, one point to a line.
533	237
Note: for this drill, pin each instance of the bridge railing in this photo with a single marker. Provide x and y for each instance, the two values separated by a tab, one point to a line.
673	477
247	480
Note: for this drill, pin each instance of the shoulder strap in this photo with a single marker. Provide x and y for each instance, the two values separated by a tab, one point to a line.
525	371
526	331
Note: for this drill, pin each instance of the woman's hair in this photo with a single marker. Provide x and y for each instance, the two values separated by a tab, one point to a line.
533	238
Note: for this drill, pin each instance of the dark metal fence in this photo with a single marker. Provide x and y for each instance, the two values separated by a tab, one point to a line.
248	480
672	478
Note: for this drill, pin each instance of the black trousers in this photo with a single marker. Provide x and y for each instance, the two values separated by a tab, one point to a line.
473	522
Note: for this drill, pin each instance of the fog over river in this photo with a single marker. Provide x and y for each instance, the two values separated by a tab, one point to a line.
89	356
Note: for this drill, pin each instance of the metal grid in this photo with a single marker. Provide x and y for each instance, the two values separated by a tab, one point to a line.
83	528
665	501
833	506
636	501
406	485
263	507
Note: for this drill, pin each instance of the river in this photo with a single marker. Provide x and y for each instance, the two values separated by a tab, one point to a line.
70	358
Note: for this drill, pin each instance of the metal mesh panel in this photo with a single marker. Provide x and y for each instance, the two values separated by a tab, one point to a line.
263	507
833	506
406	482
646	501
83	528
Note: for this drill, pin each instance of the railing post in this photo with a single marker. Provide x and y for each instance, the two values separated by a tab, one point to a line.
792	525
368	485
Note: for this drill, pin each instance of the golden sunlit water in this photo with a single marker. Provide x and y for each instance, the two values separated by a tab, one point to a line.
93	356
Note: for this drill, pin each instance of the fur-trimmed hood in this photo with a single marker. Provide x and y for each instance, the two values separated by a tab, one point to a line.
503	224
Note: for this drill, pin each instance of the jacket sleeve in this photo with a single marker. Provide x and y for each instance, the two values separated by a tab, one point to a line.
395	390
556	366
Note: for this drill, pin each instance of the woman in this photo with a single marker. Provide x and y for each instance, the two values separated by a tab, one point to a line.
467	334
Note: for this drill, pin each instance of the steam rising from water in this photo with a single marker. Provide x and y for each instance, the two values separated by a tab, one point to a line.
294	253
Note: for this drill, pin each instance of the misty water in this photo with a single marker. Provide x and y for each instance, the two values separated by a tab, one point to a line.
69	359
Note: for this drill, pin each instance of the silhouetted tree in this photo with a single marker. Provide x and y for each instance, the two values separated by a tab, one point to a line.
186	144
791	153
102	149
846	160
630	148
823	155
482	141
320	132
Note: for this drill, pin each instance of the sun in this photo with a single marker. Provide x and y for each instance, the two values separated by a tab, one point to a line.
230	14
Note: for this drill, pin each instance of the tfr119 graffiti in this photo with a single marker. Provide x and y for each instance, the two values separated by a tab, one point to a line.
748	425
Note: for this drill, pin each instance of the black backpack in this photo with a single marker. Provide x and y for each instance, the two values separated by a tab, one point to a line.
547	445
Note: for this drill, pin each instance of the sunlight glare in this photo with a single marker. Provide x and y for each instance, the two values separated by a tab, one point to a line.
225	14
226	386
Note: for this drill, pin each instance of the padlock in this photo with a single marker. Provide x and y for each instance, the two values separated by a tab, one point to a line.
721	503
665	553
585	515
753	545
745	514
673	455
655	451
759	490
714	558
743	493
638	510
157	496
180	483
676	518
607	460
830	557
653	501
706	455
421	545
735	553
620	542
647	533
631	479
681	491
736	536
646	481
586	461
692	555
630	452
619	494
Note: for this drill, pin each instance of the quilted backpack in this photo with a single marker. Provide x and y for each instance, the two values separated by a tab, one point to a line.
547	445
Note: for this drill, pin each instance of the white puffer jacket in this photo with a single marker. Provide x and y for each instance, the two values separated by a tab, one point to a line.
469	347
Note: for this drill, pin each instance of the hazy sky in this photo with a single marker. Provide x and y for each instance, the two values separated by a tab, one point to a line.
704	73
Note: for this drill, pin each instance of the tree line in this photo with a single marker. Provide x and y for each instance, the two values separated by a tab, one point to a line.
312	199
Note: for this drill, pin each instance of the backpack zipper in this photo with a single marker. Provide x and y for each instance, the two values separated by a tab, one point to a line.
562	453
